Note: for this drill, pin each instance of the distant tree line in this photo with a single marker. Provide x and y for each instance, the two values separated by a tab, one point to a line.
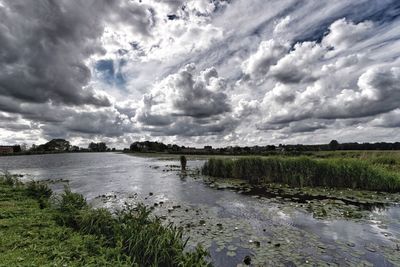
149	146
53	146
98	147
335	145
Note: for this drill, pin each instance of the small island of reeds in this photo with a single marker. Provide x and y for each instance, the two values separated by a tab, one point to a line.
355	173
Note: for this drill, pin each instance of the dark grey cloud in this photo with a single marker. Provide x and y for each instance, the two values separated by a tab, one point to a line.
293	127
201	97
44	49
48	41
188	103
388	120
107	123
306	126
45	44
377	92
185	94
190	127
119	69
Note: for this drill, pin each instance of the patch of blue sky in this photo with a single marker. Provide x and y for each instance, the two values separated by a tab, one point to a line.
377	11
109	74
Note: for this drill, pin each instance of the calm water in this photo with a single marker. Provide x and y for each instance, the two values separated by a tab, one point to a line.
231	225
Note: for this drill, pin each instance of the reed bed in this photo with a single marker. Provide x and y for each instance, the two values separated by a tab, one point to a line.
305	171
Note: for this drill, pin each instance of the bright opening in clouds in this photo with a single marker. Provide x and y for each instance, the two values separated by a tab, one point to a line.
195	72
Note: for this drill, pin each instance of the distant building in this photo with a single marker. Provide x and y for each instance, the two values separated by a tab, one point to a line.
6	149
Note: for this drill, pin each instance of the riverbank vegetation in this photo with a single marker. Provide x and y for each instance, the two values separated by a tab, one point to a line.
40	229
371	174
263	150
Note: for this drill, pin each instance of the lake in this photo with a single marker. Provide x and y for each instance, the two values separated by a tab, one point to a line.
274	231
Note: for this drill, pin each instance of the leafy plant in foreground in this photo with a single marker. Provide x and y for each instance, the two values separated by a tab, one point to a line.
133	230
38	189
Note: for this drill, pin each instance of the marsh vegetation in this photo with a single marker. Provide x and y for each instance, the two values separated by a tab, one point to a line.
39	228
353	173
231	219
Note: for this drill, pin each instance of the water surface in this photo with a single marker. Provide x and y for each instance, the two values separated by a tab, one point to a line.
231	225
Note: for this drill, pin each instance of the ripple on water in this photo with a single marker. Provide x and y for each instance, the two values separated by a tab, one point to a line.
282	229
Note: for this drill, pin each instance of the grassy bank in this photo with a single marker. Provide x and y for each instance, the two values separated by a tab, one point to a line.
306	171
37	229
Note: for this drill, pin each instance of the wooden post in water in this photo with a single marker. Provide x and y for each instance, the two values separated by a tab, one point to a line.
183	163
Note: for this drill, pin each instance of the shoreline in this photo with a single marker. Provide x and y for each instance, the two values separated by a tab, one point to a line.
41	229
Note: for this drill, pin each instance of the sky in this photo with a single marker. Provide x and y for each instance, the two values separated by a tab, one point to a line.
199	72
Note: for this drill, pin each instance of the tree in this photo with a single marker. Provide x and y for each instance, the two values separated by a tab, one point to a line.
333	145
24	147
92	146
98	147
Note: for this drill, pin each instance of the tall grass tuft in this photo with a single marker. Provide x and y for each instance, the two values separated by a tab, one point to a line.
9	179
38	189
305	171
133	230
69	205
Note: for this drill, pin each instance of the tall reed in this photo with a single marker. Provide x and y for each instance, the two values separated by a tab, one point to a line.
305	171
133	231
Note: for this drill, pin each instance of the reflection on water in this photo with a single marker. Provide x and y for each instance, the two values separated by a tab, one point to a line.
232	225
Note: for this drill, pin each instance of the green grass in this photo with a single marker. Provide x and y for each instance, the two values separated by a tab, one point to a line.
389	160
36	230
307	171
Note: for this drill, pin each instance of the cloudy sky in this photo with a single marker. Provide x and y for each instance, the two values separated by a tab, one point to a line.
196	72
